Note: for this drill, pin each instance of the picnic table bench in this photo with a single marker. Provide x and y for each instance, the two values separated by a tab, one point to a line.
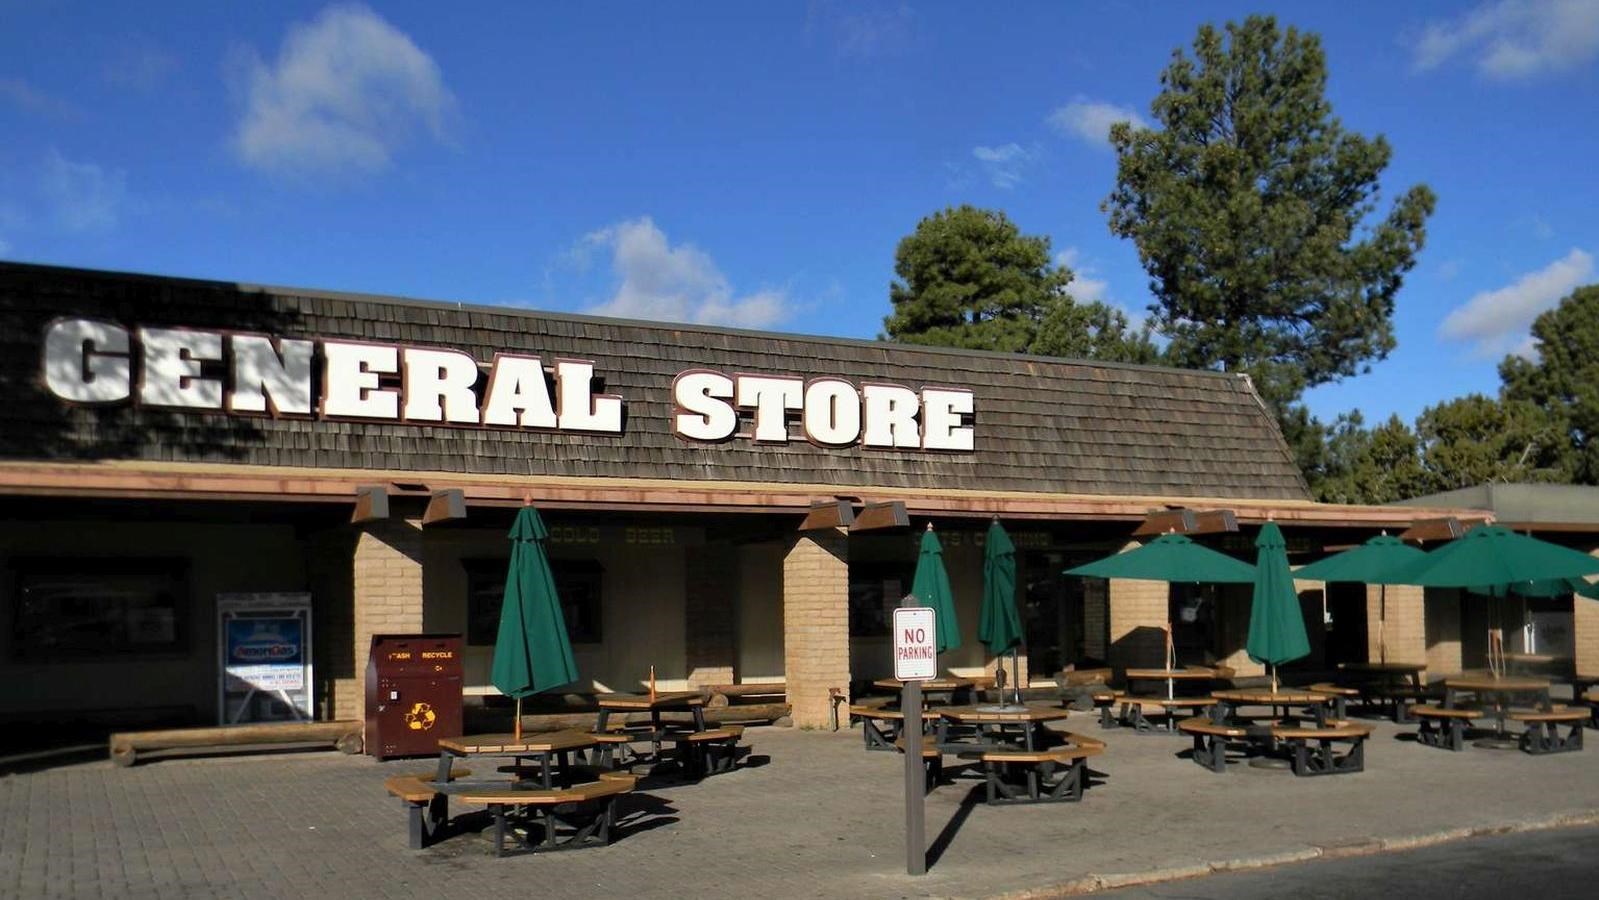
879	726
932	761
1211	740
1340	694
709	751
1542	728
1443	727
426	807
1322	758
1050	775
589	814
1135	710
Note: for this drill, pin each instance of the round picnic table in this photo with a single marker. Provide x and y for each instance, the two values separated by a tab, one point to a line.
1386	671
662	701
1227	703
1495	694
949	686
544	749
1522	663
1029	719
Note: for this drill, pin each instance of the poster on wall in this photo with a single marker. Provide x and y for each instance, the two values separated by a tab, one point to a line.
265	644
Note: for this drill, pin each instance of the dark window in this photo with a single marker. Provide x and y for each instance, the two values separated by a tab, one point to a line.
77	608
875	589
577	584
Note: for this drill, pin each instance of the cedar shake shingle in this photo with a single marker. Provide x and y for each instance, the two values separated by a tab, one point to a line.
1041	424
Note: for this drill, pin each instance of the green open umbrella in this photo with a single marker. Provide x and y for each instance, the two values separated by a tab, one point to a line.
1493	557
1276	627
532	652
930	586
998	626
1170	557
1378	561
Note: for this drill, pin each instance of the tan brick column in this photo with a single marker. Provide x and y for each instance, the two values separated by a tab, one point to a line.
710	618
1404	630
387	583
1443	630
1585	633
816	623
1138	613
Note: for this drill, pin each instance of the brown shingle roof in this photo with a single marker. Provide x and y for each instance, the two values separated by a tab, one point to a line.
1042	424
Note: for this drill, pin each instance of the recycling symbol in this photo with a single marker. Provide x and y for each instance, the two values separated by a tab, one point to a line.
421	717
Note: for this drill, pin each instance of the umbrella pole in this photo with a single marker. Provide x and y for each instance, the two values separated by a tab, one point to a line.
1016	675
1382	623
517	728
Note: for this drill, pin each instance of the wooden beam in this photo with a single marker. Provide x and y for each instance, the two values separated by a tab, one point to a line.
1445	529
880	516
445	506
829	514
371	504
1214	521
1165	521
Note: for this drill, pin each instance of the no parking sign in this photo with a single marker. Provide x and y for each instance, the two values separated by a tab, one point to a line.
915	643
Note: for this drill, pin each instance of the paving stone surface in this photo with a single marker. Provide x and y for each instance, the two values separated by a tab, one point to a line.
817	816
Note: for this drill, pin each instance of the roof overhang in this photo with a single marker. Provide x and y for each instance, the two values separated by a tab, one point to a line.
223	482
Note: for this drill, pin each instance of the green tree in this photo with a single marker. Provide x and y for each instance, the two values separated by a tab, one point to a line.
1249	205
1564	379
1476	439
969	278
1377	465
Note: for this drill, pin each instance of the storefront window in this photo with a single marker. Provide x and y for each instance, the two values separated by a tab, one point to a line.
875	589
76	608
577	584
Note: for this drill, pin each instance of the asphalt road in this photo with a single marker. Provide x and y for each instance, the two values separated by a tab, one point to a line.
1549	865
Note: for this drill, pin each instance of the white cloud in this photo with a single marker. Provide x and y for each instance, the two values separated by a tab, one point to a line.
29	98
346	91
1514	38
681	283
82	196
139	64
1090	120
863	29
1004	164
1497	321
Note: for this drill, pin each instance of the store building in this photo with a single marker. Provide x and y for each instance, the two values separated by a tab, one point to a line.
726	506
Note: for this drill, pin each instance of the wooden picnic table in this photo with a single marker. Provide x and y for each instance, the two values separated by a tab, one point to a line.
1028	719
1227	703
1386	671
952	687
555	746
1496	695
663	701
1522	663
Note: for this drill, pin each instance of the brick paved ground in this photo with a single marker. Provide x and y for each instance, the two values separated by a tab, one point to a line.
821	818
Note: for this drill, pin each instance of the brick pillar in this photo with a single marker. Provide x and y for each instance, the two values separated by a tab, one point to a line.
1138	614
387	583
1585	633
710	614
1442	607
816	623
1404	629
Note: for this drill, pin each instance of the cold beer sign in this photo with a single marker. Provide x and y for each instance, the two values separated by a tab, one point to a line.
915	644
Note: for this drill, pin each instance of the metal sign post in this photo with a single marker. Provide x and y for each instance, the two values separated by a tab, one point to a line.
915	661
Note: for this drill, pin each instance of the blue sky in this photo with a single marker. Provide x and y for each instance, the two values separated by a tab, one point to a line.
752	164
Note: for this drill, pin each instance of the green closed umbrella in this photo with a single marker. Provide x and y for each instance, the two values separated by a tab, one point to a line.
532	652
930	586
1276	627
1170	557
998	626
1378	561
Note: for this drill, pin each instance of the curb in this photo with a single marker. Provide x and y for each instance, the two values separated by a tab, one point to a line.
1093	883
